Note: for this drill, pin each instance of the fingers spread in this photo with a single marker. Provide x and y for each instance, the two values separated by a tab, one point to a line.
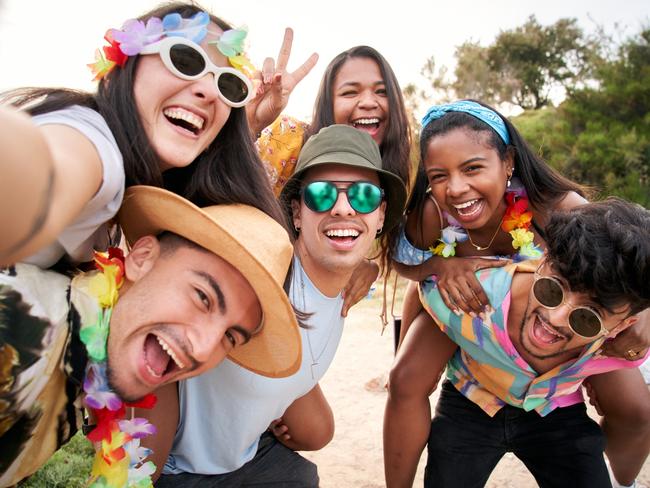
448	300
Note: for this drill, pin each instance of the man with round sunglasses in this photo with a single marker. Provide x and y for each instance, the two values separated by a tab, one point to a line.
339	200
514	384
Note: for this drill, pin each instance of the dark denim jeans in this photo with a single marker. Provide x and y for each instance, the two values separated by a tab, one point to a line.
274	465
563	449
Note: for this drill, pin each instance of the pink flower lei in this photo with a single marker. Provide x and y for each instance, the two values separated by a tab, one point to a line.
119	461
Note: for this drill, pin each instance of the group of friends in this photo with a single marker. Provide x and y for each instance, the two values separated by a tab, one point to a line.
178	258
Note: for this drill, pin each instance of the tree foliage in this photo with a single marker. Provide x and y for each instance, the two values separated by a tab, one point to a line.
530	61
475	78
600	135
522	66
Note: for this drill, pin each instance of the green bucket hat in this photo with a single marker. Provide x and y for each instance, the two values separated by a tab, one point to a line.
345	145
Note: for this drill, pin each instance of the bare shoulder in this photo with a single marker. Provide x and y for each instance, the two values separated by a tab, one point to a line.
567	202
570	200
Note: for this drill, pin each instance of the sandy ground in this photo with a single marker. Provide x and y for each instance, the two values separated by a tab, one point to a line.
353	386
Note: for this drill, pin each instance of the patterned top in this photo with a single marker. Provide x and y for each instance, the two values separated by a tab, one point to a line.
42	364
487	368
406	253
278	146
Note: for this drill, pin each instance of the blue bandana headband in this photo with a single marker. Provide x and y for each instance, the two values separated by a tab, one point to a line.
490	117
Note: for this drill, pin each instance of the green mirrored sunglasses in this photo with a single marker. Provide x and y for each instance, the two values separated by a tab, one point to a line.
364	197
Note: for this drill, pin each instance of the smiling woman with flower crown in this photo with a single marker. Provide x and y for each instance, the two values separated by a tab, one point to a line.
175	107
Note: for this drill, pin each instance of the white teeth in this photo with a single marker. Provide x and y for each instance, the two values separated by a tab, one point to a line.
466	204
342	233
169	351
550	330
368	121
189	117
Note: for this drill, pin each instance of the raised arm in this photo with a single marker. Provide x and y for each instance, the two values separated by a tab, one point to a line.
275	85
47	175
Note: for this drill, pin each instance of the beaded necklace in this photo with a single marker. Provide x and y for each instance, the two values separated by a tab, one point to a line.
119	461
516	221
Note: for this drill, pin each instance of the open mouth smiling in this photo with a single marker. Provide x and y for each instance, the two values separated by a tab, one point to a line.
367	123
185	119
545	333
160	359
342	234
468	208
342	238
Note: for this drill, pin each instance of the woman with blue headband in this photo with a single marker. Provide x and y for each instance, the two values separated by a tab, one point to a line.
480	193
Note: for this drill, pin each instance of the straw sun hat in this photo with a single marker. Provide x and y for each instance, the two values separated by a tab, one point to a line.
247	238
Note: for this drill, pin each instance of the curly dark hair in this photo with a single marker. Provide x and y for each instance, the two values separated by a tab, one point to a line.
603	249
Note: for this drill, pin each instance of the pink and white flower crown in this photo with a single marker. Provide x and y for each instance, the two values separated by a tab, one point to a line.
136	34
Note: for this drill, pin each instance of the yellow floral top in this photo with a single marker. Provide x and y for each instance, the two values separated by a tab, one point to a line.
278	146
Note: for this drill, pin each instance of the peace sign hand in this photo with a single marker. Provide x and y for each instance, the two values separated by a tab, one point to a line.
274	85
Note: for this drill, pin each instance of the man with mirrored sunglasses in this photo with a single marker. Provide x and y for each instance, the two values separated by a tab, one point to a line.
339	200
514	384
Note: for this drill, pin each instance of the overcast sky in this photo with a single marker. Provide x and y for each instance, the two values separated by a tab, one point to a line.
49	43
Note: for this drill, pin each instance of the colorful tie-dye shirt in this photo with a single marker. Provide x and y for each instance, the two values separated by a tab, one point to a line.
487	368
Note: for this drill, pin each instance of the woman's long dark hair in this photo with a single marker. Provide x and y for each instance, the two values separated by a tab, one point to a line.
228	171
395	148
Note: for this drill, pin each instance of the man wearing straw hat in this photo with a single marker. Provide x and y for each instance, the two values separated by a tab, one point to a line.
339	200
197	285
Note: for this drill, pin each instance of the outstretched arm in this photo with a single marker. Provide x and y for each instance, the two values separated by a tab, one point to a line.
308	423
47	175
25	169
275	85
